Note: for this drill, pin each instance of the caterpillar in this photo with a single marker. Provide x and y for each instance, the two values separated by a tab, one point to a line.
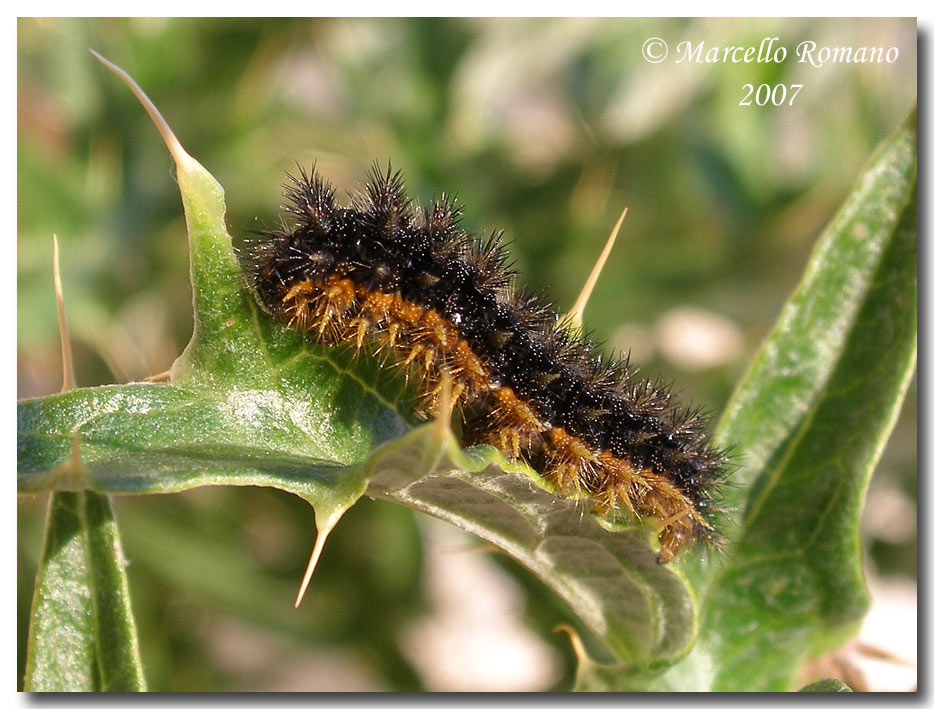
386	275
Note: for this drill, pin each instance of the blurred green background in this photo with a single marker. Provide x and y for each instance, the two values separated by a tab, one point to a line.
544	128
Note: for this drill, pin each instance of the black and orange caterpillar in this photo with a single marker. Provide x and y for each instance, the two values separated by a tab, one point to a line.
384	274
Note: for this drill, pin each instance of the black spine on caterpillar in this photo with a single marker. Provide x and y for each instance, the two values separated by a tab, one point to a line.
644	451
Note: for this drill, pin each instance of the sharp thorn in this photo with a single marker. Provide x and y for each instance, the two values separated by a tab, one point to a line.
575	317
312	563
68	366
182	159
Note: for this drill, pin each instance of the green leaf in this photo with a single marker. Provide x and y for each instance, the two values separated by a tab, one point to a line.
810	421
639	610
808	424
826	685
82	637
862	270
151	438
157	438
252	403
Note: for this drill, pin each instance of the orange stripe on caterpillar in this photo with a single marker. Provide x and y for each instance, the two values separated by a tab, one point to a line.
337	311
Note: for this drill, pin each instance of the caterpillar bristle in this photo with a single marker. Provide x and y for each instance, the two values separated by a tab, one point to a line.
311	200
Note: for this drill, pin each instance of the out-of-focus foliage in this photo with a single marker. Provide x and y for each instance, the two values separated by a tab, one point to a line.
544	128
